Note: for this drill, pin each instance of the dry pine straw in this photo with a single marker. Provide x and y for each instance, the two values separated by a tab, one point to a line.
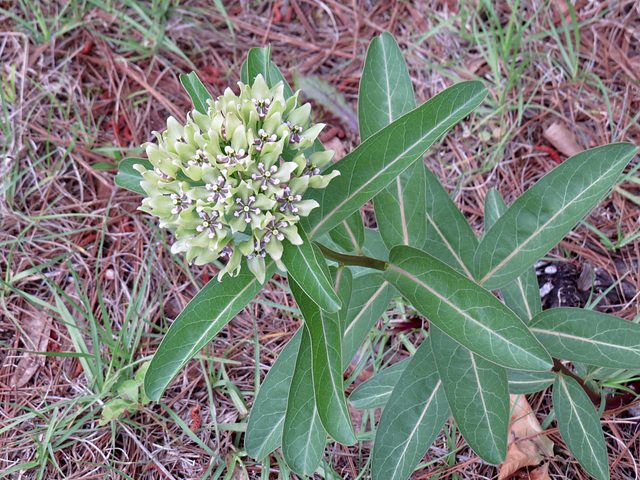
79	77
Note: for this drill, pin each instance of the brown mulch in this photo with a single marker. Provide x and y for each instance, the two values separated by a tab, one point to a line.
69	236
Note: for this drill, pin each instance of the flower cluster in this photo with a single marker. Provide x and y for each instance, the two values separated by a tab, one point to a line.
222	181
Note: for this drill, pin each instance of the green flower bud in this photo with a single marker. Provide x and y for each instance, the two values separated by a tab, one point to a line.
221	178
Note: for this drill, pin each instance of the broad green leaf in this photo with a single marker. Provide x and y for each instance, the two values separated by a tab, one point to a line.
259	63
375	392
349	234
546	212
449	236
325	330
386	154
130	178
264	430
579	425
385	95
374	246
197	92
401	208
590	337
303	436
414	415
494	208
465	311
521	295
477	393
257	58
201	320
385	91
306	265
522	382
369	300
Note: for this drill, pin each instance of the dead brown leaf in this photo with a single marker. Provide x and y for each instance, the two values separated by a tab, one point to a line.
37	328
527	448
562	139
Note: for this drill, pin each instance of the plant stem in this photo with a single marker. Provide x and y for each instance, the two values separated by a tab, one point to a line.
593	396
356	260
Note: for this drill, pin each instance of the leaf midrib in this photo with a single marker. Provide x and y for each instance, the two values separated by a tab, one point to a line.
452	114
585	340
544	226
413	432
461	312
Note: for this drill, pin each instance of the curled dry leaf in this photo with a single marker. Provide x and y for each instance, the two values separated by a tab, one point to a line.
37	328
562	139
526	448
540	473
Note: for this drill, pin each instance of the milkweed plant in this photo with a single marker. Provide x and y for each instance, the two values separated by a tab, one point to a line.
246	183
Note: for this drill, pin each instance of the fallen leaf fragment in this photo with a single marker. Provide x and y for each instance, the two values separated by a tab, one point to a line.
562	139
37	327
540	473
526	448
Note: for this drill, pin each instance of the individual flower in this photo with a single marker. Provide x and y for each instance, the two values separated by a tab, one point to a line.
222	183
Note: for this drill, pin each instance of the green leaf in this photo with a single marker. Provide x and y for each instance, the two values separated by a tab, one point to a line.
521	295
449	236
590	337
130	178
264	430
197	92
477	393
329	98
579	425
256	63
375	392
522	382
201	320
401	208
306	265
386	154
465	311
349	234
546	212
259	63
411	420
303	436
385	91
325	330
369	300
385	95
